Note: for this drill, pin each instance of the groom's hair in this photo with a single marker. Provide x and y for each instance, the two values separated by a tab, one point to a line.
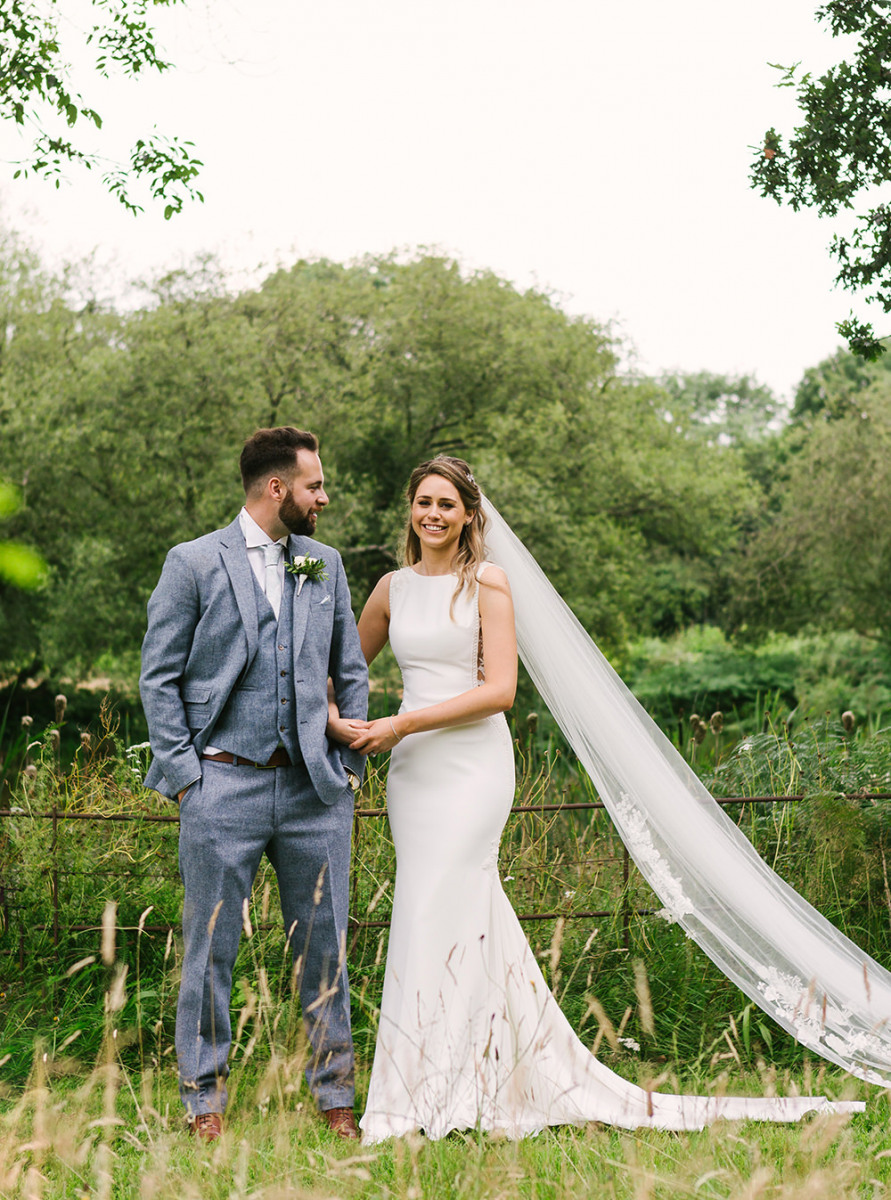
273	452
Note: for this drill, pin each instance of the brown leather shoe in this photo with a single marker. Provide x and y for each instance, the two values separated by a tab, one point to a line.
207	1126
342	1122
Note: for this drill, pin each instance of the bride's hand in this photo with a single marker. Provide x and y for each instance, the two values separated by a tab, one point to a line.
375	736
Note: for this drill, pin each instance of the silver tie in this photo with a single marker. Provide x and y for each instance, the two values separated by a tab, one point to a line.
273	552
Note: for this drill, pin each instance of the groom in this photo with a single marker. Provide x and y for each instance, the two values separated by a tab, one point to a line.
235	670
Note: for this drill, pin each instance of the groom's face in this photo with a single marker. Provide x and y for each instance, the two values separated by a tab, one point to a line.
306	495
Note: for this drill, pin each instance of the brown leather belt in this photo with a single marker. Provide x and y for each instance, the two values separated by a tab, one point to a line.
279	759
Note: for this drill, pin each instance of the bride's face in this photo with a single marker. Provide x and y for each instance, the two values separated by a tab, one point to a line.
438	514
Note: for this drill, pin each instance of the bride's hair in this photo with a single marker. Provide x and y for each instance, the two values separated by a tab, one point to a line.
472	545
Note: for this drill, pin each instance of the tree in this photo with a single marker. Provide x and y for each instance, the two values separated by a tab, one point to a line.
824	559
831	387
128	428
841	153
37	92
726	410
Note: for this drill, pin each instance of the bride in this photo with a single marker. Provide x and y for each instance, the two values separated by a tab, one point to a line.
470	1035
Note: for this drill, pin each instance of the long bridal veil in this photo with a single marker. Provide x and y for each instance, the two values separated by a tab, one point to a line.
829	994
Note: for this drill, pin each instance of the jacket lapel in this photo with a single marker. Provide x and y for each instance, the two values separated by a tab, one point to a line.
302	602
235	559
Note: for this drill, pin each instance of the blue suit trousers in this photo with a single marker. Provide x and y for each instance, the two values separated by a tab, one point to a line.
228	820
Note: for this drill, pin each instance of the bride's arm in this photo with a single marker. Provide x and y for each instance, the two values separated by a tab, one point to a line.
374	626
374	623
494	695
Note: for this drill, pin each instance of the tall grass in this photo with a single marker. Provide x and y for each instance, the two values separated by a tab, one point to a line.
86	1032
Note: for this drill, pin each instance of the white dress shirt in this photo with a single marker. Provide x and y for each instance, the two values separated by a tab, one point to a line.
255	539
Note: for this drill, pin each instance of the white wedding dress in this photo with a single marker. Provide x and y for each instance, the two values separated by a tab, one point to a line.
470	1035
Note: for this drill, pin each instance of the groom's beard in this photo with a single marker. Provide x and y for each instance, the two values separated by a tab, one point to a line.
298	520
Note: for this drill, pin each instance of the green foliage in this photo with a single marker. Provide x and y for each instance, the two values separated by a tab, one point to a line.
720	409
701	670
36	90
60	876
137	420
841	153
824	557
833	387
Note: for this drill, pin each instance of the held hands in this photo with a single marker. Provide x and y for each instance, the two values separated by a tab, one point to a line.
373	737
342	729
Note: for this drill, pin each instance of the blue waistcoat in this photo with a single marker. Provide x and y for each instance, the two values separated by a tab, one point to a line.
260	714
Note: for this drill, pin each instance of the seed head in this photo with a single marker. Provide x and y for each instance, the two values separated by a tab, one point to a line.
716	723
700	729
61	705
532	721
86	740
848	721
27	722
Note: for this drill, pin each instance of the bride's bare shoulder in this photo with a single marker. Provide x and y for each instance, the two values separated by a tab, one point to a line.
491	576
380	593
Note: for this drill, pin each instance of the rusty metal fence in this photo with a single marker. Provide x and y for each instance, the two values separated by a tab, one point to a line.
15	928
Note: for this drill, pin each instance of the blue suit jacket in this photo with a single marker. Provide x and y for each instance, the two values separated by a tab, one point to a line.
203	633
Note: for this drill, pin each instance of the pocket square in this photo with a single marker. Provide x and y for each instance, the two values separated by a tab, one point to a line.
324	601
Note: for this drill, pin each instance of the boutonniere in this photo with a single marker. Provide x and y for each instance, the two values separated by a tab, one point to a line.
305	568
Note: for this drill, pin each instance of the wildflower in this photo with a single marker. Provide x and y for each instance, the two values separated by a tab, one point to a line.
61	705
848	721
27	722
716	723
630	1044
532	721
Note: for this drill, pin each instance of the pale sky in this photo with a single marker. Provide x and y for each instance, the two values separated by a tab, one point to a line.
593	148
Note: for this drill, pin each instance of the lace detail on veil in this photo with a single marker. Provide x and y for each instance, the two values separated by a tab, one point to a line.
664	882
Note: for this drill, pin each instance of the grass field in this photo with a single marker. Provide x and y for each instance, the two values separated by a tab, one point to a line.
116	1133
89	1104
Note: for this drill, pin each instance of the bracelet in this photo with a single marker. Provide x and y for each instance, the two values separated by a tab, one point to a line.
396	734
